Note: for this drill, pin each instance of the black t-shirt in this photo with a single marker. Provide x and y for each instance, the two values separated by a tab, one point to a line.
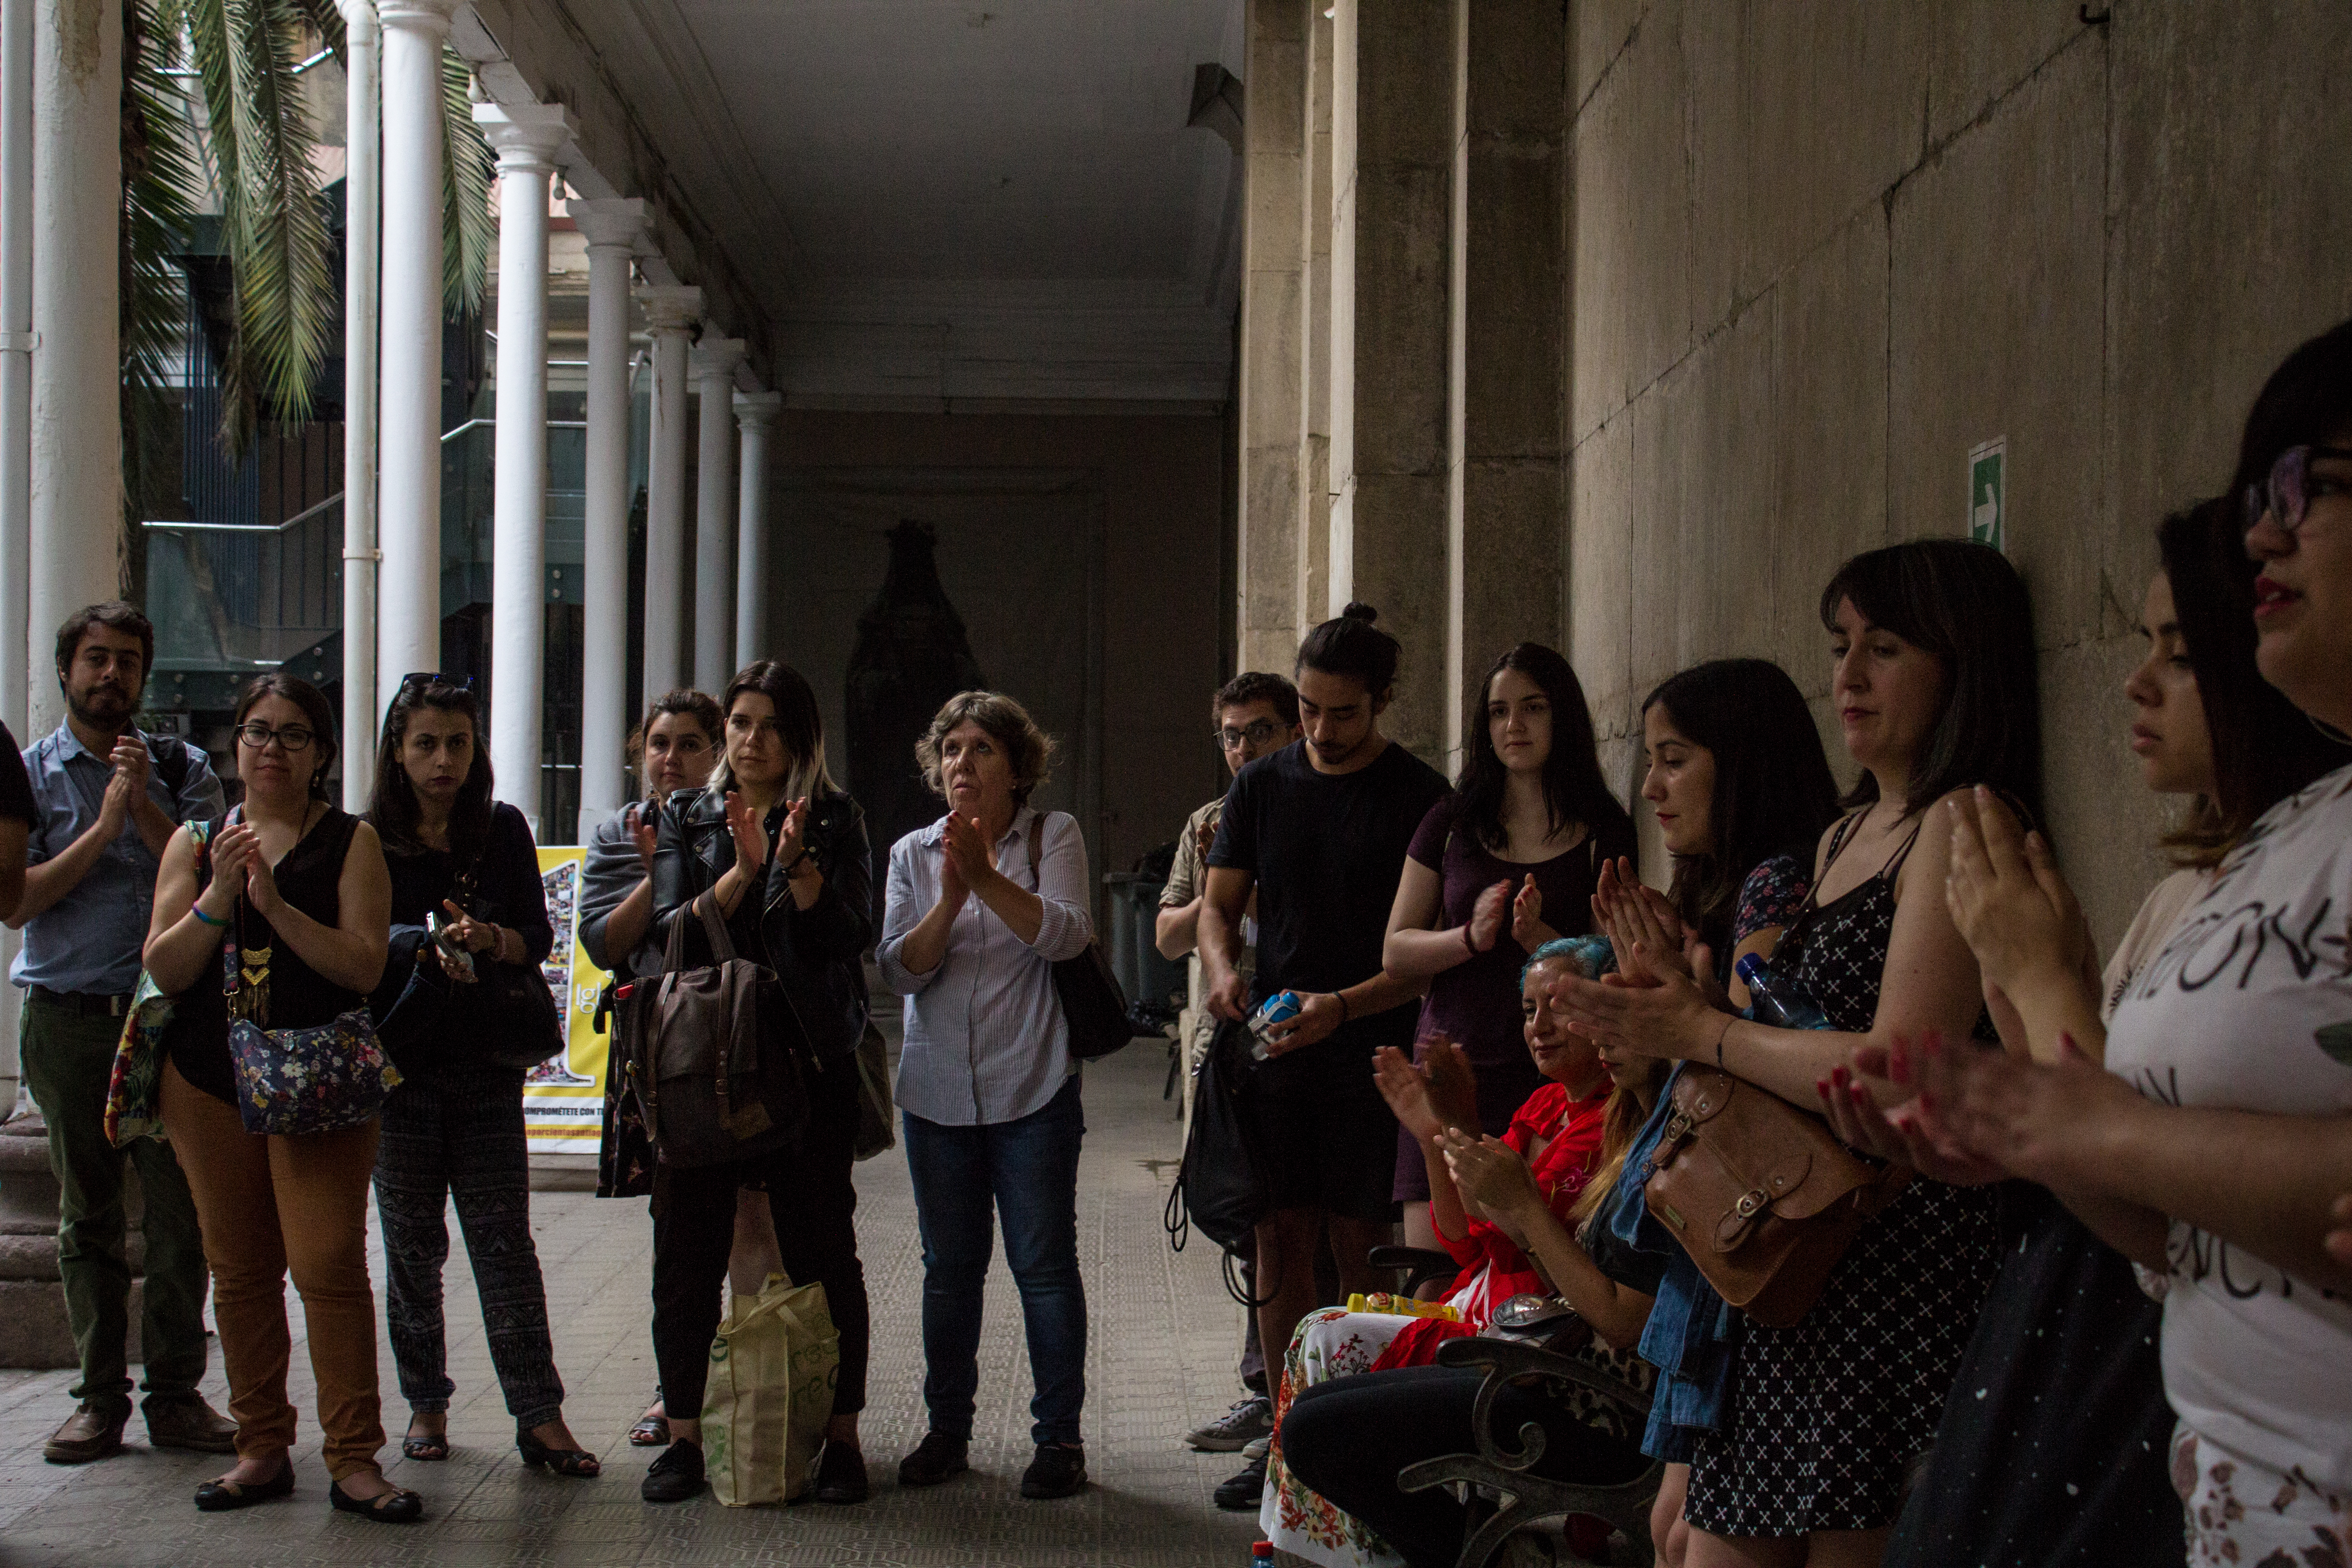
1327	851
15	784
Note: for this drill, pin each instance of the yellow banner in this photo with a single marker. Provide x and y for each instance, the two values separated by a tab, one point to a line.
563	1097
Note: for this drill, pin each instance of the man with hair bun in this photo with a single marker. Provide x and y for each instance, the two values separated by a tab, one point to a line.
1318	832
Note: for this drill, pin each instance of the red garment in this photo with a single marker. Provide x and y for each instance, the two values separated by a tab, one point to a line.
1493	1269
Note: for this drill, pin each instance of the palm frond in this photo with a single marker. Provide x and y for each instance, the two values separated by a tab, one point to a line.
467	226
325	18
159	174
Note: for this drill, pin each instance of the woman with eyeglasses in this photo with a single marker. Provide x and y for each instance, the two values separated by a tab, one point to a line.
673	752
782	852
465	868
2212	1147
301	889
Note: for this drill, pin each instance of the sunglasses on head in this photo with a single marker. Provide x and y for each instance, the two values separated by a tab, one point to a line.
2287	493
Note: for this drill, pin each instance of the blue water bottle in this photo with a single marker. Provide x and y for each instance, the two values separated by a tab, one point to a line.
1773	998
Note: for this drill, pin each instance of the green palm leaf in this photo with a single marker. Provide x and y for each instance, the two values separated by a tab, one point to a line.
159	174
467	226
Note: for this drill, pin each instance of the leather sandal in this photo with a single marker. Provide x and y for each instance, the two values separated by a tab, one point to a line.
562	1461
430	1448
650	1432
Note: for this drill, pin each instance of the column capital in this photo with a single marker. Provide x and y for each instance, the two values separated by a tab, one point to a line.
670	310
526	136
619	221
715	359
758	410
430	17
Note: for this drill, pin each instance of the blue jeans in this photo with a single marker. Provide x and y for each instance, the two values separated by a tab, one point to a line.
1027	1170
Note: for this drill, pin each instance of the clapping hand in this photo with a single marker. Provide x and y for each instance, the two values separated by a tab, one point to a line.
1856	1115
970	857
1489	1172
1429	1096
1202	837
1487	915
791	836
2006	1111
1637	917
750	833
2006	897
126	787
1527	928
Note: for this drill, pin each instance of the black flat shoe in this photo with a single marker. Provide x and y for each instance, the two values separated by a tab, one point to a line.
562	1461
398	1506
935	1458
841	1474
675	1476
220	1497
1058	1470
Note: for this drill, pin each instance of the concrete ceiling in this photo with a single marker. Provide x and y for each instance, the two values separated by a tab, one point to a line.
939	203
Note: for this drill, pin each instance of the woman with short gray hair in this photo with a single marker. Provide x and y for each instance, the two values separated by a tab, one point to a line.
980	906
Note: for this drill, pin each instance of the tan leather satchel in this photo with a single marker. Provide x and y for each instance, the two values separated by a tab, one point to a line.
1762	1196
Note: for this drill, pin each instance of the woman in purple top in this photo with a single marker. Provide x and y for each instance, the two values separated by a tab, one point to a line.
1502	865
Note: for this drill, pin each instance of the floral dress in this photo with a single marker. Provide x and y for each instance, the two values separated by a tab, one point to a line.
1334	1342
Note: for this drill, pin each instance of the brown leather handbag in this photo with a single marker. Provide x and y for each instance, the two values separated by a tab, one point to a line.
707	1052
1762	1195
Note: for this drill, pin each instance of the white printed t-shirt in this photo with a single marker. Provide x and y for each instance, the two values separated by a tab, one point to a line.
2248	1005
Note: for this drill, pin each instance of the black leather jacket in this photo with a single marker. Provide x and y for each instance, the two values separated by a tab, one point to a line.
818	953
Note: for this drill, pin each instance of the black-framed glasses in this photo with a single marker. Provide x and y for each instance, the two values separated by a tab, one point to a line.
295	738
1257	732
2287	494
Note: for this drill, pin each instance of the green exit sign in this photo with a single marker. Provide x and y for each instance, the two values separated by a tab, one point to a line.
1989	493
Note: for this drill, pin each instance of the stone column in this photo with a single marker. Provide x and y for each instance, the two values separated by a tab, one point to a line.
526	137
1315	297
670	316
408	614
612	228
1391	161
363	339
1504	516
76	429
712	368
1274	74
755	416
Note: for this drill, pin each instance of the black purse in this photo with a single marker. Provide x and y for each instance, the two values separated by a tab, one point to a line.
1092	1003
511	1005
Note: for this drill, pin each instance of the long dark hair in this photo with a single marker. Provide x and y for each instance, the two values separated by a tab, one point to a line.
2264	749
393	807
316	710
1774	791
798	726
1964	603
2306	401
1573	789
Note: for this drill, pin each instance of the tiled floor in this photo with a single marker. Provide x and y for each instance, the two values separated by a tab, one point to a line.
1162	1349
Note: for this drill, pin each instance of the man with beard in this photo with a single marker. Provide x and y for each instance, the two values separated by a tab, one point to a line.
106	799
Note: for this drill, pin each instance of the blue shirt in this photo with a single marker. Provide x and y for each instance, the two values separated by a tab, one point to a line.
986	1042
91	939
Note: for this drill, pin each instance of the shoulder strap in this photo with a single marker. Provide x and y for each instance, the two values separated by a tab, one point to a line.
170	766
1894	866
1037	832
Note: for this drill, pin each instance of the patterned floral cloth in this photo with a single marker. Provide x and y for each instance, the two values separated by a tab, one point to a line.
2243	1514
1330	1343
294	1082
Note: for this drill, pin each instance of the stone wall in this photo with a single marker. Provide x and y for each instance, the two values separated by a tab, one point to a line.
1817	250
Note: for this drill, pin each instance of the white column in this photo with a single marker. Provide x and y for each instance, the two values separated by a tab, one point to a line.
76	443
755	414
612	228
712	367
16	371
526	137
408	607
363	237
670	315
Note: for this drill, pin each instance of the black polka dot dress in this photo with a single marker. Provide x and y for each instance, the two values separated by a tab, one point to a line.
1827	1418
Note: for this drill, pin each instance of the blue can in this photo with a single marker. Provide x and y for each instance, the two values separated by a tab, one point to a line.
1278	1008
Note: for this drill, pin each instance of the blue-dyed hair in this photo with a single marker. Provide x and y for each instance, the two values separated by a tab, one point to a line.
1592	954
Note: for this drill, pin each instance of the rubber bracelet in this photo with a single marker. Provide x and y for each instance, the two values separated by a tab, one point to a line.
1721	1038
198	910
1341	997
1469	948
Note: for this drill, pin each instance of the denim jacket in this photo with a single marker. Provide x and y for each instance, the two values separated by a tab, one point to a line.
1693	1335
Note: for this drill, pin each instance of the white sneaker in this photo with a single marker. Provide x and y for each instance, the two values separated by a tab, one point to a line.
1249	1419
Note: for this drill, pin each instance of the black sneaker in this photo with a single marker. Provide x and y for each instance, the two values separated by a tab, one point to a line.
675	1476
935	1458
1244	1491
1059	1469
841	1474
